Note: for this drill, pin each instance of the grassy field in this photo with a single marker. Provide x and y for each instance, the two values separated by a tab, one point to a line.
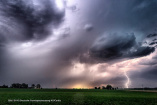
76	97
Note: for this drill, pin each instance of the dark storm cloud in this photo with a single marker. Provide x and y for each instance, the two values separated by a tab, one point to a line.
153	43
141	51
110	17
124	16
151	35
33	19
116	46
23	20
154	39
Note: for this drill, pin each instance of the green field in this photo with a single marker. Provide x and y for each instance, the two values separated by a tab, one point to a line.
76	97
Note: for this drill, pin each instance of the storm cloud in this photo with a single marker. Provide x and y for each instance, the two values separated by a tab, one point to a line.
72	43
114	46
21	20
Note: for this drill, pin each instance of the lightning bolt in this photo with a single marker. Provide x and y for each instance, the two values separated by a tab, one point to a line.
128	80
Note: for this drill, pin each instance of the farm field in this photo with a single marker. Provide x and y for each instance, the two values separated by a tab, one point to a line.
10	96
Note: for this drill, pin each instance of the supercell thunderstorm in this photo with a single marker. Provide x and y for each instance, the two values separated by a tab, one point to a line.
66	43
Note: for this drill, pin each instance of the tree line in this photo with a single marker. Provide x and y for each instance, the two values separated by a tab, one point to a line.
23	85
108	87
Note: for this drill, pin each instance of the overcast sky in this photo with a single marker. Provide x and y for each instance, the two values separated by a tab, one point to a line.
78	44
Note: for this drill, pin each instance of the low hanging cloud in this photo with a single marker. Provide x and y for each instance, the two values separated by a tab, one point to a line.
116	46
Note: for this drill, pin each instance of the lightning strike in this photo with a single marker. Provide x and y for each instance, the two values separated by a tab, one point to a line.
128	80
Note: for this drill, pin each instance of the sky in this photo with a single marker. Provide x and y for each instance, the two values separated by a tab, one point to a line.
78	44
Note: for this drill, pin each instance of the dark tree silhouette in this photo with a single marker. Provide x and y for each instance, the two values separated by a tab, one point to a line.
24	85
17	85
4	86
38	86
33	86
103	87
109	87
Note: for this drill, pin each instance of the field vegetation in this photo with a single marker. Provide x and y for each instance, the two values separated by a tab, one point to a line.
13	96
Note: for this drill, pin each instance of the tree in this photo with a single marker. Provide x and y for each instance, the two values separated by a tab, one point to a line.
4	86
38	86
109	87
24	85
103	87
33	86
16	85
